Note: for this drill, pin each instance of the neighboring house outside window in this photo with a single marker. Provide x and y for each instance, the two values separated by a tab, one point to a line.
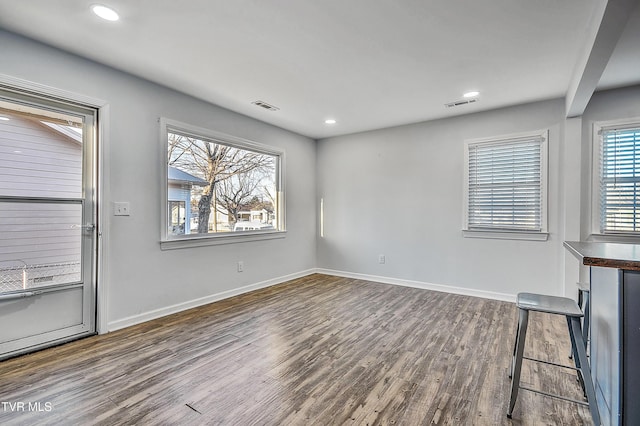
181	215
616	207
506	187
41	158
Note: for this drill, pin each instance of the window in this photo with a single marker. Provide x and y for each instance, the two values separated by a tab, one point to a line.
505	187
219	187
618	186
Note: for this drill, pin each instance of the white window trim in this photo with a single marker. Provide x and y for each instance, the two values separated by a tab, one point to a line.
596	144
197	240
502	234
506	235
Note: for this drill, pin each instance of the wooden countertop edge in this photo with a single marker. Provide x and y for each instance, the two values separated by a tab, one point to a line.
628	265
611	263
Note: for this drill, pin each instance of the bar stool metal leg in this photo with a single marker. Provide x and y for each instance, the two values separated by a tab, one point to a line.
586	296
516	365
515	347
583	303
578	362
583	365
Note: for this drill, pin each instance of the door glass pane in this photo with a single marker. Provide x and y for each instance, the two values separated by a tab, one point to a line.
40	244
40	152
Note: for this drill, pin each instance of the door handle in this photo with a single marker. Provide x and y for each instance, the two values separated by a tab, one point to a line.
88	227
4	297
22	295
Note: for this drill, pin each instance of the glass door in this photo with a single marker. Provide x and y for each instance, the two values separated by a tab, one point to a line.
47	222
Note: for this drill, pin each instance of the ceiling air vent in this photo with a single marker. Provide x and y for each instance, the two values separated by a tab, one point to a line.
460	102
265	105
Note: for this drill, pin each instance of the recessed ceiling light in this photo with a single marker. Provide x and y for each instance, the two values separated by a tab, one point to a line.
105	12
472	94
330	121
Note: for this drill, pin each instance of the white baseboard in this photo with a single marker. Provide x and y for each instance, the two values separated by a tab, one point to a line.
422	285
179	307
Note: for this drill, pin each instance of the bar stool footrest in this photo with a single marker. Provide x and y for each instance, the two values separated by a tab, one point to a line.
570	367
552	395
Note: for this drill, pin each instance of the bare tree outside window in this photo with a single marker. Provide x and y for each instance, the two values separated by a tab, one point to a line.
226	184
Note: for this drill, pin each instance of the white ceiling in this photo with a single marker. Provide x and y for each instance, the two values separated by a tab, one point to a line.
367	63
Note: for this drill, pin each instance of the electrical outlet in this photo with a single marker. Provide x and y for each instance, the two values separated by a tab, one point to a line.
121	208
240	266
381	259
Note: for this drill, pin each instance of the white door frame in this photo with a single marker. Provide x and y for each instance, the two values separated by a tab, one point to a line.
102	153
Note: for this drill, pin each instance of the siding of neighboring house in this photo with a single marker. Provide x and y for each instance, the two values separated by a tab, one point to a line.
37	161
179	193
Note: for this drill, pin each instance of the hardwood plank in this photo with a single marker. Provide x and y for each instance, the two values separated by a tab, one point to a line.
317	350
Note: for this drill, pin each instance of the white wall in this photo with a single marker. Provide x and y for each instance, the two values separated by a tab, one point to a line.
141	280
399	192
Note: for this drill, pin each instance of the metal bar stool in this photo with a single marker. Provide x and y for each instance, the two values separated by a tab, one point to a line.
571	311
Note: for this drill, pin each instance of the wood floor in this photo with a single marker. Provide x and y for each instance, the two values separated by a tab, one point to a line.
318	350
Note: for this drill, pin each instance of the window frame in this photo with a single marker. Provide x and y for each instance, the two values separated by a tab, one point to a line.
502	233
198	240
598	127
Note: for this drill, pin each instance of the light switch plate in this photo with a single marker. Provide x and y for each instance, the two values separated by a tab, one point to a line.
121	208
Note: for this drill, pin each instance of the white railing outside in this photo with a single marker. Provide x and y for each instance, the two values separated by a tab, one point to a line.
18	275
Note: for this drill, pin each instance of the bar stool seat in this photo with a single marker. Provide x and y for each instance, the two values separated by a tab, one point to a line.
549	304
568	308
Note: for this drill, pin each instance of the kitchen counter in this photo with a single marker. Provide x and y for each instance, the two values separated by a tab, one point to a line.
614	281
606	255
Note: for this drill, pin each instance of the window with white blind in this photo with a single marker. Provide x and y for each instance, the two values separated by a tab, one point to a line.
618	186
505	187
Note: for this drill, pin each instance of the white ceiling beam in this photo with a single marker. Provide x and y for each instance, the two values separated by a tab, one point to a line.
608	24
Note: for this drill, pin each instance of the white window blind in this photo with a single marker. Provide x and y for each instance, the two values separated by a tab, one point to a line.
506	185
620	181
